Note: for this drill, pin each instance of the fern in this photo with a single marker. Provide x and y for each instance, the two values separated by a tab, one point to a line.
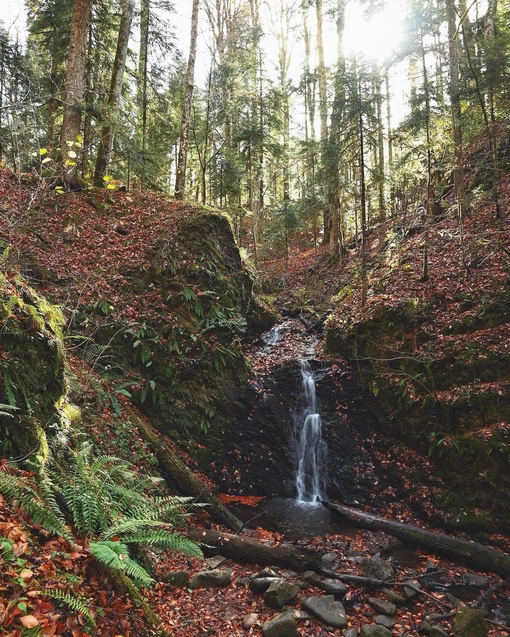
6	410
152	533
9	387
165	540
75	603
115	556
36	631
37	505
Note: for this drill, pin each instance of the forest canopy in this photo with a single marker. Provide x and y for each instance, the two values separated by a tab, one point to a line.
284	114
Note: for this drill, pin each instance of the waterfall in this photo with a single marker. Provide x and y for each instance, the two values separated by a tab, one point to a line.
309	448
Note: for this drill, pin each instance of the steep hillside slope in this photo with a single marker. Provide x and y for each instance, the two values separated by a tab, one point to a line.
433	354
154	292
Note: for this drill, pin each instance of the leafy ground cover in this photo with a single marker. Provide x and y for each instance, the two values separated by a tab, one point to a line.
50	588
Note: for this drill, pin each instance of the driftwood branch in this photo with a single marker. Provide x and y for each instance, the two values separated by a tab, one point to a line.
243	548
477	555
184	479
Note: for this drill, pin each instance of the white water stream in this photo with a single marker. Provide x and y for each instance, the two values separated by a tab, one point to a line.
309	447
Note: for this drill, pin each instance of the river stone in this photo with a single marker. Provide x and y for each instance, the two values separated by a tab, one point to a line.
393	596
329	558
476	581
374	631
176	578
280	592
266	572
469	622
350	632
250	620
283	625
376	568
211	579
311	577
384	620
332	587
410	593
327	609
261	584
216	561
382	606
437	631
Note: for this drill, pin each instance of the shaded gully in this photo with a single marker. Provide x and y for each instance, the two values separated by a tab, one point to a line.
305	438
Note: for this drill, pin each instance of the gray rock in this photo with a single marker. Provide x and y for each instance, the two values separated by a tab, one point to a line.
300	615
250	620
280	592
329	558
261	584
283	625
437	631
374	631
211	579
393	596
176	578
376	568
333	587
474	580
384	620
350	632
469	622
411	593
327	609
266	572
328	585
216	561
311	577
382	606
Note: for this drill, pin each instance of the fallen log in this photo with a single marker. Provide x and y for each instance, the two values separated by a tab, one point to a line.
477	555
184	479
246	549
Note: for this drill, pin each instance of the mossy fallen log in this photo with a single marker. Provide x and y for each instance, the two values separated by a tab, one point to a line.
243	548
184	479
476	555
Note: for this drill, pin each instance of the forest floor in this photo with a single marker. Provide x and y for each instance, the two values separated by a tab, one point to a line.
32	563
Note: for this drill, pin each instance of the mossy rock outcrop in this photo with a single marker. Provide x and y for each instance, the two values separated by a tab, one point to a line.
444	392
33	389
161	298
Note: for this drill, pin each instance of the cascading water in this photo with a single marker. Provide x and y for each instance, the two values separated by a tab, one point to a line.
309	448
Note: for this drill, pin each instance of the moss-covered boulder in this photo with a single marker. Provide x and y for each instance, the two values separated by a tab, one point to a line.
33	410
157	297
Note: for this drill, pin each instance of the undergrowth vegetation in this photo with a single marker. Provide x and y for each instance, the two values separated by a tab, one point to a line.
103	505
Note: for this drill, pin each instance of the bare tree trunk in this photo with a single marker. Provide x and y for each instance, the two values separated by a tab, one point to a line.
105	143
176	472
364	268
243	548
478	555
453	49
180	180
323	106
142	93
74	93
331	157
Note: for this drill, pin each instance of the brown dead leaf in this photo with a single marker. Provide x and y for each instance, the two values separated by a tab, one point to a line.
29	621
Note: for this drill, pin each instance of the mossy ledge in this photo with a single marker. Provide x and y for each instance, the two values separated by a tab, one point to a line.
33	390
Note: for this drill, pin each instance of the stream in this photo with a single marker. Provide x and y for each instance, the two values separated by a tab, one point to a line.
298	446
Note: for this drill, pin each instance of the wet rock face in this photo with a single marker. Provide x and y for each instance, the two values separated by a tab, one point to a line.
259	458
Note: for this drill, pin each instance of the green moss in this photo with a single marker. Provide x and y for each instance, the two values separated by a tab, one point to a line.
32	371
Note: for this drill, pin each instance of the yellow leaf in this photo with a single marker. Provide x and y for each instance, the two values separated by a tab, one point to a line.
26	574
29	621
